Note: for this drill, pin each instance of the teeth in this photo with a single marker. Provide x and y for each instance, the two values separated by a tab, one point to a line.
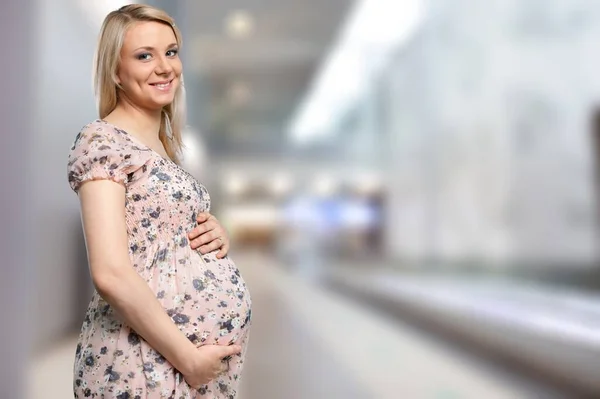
162	85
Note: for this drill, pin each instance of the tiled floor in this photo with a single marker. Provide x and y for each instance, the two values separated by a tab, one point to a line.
307	343
285	359
51	376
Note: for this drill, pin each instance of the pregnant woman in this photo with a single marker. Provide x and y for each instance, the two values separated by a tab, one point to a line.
166	320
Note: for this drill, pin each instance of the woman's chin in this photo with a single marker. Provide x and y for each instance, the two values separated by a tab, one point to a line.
159	104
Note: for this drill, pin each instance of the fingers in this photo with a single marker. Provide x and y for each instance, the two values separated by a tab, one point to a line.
224	367
202	228
219	358
209	222
204	225
197	232
211	246
230	350
218	369
209	236
223	350
206	238
203	217
224	251
210	241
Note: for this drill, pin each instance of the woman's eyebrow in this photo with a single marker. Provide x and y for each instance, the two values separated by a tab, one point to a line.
150	48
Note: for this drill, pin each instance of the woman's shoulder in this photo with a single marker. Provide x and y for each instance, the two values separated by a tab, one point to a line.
100	150
101	140
97	134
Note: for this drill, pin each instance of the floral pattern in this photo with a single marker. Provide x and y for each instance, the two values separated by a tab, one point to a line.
205	297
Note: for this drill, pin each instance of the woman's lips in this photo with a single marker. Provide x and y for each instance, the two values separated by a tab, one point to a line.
163	86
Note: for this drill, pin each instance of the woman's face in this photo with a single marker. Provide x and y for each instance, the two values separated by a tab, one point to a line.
150	68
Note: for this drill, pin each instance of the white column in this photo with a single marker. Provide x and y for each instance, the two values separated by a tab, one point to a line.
17	36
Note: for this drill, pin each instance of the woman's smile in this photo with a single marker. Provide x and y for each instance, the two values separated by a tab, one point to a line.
164	86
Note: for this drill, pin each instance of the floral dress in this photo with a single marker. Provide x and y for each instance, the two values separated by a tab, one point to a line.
205	297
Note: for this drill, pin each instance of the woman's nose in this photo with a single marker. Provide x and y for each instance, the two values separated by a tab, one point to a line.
163	66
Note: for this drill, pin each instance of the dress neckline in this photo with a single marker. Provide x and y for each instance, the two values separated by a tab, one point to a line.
137	141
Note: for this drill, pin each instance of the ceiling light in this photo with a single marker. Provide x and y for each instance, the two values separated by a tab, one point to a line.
239	24
238	93
281	184
235	185
324	186
368	184
373	31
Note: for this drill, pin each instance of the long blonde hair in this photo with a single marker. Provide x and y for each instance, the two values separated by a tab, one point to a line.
106	63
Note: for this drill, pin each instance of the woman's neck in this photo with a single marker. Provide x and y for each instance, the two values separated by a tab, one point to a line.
139	122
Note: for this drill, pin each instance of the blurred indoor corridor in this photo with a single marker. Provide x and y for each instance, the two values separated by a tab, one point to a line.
411	189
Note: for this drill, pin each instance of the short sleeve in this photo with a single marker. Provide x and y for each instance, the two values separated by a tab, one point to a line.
98	153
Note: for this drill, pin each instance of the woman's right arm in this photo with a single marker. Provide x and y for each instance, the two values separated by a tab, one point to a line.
103	216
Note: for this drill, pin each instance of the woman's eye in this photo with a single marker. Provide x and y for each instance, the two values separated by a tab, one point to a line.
144	57
172	53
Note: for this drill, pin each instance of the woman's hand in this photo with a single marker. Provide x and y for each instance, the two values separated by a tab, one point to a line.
208	363
209	235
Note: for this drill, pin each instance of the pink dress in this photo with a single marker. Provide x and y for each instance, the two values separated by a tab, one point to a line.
205	297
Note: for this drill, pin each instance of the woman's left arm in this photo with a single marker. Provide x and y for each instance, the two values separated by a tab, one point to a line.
209	236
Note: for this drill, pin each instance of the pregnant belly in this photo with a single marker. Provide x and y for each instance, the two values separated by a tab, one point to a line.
207	298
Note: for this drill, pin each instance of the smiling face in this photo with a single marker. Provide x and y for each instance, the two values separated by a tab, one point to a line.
149	68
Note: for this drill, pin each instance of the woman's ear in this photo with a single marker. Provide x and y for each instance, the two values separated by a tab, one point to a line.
117	81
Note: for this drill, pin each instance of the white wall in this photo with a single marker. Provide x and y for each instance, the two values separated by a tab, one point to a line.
488	127
64	103
17	38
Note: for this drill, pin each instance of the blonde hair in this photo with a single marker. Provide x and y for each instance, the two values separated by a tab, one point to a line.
106	63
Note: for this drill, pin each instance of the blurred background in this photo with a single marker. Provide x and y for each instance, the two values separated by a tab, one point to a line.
410	186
